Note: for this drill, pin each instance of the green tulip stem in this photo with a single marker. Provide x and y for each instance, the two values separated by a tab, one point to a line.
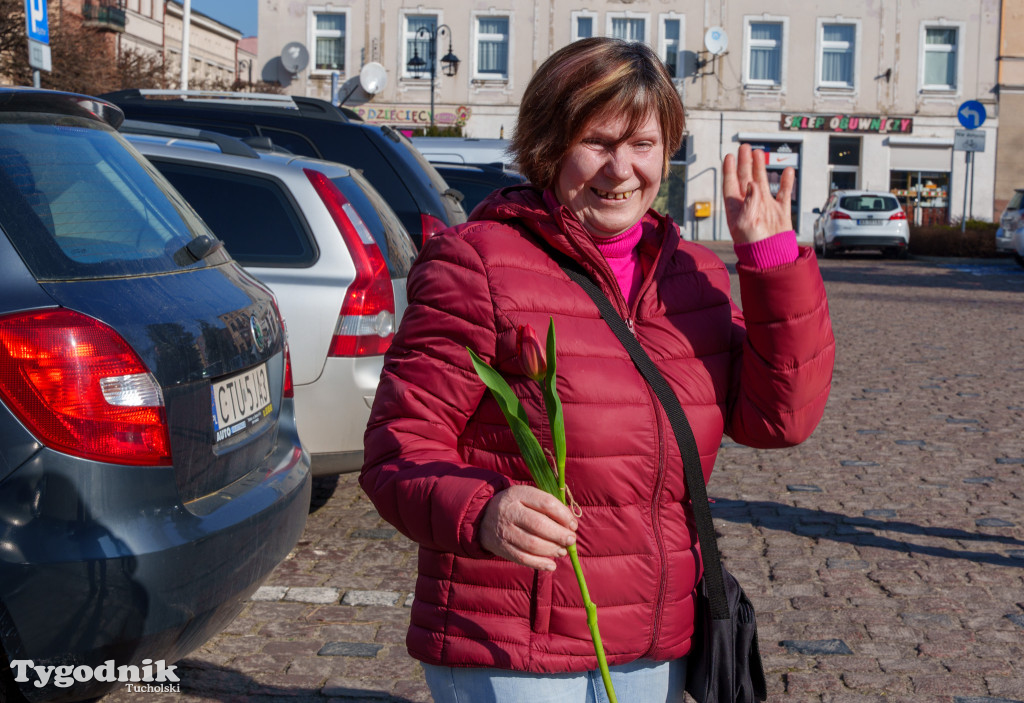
595	634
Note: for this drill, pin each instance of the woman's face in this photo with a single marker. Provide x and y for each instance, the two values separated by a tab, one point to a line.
607	181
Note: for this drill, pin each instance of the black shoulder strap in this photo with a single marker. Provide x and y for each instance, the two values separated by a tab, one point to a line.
681	429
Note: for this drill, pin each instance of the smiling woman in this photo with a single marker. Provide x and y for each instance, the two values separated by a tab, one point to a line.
498	615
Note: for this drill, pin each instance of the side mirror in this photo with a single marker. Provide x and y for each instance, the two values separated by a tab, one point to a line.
816	211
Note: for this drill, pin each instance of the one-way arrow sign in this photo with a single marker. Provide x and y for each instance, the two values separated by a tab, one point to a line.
971	114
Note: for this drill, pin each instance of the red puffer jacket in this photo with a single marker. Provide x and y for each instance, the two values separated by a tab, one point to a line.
437	446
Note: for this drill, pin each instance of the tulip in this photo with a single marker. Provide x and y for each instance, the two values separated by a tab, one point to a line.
533	358
531	353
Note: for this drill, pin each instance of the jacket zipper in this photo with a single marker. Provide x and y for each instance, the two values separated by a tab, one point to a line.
659	485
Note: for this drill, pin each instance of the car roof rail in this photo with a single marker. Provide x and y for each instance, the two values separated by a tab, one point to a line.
228	96
226	144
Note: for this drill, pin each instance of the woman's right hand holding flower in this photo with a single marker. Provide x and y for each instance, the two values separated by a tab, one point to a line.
527	526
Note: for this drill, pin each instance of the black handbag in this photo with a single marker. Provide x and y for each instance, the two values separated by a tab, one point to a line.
724	664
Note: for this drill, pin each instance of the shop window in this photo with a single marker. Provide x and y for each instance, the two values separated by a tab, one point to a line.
924	195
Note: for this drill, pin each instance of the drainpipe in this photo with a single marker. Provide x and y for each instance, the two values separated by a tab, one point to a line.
186	21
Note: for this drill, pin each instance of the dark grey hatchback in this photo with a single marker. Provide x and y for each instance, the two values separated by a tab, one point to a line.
151	475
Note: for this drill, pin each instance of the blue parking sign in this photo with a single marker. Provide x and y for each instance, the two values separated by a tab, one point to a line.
35	19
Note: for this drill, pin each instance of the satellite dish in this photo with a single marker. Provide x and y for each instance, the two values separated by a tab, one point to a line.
294	57
373	77
716	40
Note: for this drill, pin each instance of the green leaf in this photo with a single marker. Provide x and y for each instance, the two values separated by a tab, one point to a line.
554	404
515	414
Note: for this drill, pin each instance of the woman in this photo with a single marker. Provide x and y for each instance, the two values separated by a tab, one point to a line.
497	614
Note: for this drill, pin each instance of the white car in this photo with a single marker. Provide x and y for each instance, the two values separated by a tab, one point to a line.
1009	222
861	219
332	251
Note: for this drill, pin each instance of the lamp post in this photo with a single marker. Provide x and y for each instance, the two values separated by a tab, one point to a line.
449	62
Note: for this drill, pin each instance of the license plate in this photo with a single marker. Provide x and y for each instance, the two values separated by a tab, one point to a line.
240	402
869	222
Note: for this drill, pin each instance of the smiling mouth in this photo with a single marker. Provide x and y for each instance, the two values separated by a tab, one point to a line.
605	195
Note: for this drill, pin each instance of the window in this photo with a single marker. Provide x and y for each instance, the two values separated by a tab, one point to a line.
418	29
672	45
627	28
940	58
583	25
764	53
838	42
329	41
492	47
844	162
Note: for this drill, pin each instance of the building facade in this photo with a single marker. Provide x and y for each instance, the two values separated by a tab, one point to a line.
1009	165
851	94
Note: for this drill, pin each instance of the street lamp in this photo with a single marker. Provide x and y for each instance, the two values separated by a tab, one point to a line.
449	62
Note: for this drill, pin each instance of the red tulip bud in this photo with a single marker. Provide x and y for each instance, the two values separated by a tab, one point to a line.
532	356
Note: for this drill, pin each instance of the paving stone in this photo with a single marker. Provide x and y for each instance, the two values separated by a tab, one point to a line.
855	462
269	593
1010	460
993	522
803	488
350	649
1016	619
376	533
321	596
817	647
980	479
984	699
370	598
911	442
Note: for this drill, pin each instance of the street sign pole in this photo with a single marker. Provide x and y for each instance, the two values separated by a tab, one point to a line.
38	30
967	168
971	115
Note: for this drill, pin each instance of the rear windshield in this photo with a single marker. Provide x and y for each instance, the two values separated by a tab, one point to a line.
254	215
77	202
391	237
868	203
456	215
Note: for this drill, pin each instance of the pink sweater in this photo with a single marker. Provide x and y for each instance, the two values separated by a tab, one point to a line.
621	253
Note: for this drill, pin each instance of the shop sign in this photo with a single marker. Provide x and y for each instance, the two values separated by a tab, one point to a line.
848	123
412	114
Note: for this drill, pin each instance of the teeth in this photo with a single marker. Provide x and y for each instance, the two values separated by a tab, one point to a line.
613	196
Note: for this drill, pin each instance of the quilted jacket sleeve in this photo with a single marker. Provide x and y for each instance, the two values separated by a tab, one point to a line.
428	389
783	352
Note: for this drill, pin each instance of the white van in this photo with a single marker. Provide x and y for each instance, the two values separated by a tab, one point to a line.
465	150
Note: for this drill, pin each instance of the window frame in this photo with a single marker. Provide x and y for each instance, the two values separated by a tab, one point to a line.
313	34
477	75
663	46
855	49
748	44
574	18
610	17
404	73
923	51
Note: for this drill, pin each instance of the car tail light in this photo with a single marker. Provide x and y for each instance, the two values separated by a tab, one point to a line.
898	215
366	325
289	386
836	215
431	226
79	388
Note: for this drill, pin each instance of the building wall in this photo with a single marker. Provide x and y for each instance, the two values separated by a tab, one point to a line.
1009	165
212	47
902	127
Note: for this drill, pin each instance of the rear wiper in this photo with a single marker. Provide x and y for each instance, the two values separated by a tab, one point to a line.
197	250
452	193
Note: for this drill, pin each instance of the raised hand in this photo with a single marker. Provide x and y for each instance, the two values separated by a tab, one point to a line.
750	210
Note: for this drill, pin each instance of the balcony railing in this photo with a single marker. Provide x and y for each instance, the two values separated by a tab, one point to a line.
105	15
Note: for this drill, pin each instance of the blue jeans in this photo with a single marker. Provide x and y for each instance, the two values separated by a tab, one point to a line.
642	680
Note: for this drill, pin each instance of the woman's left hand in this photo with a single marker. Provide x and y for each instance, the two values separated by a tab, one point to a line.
750	210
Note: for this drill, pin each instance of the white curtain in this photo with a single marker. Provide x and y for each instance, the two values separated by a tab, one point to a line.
766	52
492	53
940	57
330	41
628	28
419	45
837	53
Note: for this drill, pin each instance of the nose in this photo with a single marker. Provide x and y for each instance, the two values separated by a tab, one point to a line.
618	166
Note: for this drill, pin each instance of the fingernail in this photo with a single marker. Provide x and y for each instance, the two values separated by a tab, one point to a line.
549	567
571	540
562	552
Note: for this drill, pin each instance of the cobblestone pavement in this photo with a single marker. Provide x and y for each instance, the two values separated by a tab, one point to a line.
885	556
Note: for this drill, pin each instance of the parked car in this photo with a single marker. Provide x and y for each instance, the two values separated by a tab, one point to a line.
317	129
465	150
476	182
328	246
860	219
152	474
1010	221
1017	242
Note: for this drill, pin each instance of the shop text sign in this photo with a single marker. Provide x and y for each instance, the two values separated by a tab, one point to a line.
848	123
412	114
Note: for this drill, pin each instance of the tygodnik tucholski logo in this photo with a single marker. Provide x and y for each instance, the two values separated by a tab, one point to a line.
150	677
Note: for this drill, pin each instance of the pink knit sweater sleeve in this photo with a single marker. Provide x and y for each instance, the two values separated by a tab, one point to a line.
777	250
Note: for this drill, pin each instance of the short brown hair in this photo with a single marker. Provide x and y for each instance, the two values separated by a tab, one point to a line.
582	81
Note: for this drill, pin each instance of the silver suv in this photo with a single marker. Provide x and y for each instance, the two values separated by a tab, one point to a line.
329	247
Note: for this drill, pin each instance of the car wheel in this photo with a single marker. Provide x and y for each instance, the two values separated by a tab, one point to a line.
1019	259
827	252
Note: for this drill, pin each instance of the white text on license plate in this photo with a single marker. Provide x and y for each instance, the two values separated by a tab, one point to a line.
240	402
869	222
